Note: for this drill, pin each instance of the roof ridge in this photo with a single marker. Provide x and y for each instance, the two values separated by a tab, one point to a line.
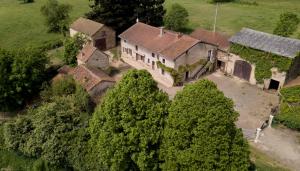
270	34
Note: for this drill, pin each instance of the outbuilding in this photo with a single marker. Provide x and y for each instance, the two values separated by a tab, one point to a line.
100	36
267	60
94	57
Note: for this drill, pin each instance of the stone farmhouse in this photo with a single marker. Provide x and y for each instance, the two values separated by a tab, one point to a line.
94	57
169	56
270	61
99	35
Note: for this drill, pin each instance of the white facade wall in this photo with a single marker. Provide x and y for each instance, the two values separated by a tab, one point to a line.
148	59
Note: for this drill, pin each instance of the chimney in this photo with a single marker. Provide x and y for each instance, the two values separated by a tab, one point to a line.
161	31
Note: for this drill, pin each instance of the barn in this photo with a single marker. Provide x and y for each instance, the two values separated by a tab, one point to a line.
98	34
263	59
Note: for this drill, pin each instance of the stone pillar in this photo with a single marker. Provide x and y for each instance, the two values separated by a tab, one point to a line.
258	130
270	121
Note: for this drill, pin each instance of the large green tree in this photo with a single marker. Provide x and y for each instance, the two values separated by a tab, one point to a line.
176	18
22	73
122	14
126	128
287	24
57	16
55	131
72	47
200	133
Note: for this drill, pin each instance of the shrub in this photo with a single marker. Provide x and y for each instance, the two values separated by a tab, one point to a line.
287	24
176	18
49	45
72	47
289	114
57	16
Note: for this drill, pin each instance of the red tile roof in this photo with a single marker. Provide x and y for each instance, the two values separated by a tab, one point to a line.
214	38
170	45
86	26
89	77
86	53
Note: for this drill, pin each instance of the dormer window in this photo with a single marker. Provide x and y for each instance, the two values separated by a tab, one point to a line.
153	55
136	48
163	61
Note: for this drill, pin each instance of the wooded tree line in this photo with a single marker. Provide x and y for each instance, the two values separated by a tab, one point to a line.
136	127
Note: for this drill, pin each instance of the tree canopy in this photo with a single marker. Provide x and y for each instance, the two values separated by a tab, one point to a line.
176	18
55	131
287	24
123	14
22	72
200	133
126	128
72	47
57	16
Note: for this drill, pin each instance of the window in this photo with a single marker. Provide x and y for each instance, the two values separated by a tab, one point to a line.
162	71
130	52
148	60
157	57
153	55
136	48
163	61
210	55
123	49
125	41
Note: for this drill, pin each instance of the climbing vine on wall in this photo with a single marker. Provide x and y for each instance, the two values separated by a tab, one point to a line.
264	61
177	75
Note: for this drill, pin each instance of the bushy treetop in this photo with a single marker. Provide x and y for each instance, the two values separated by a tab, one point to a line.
200	133
126	128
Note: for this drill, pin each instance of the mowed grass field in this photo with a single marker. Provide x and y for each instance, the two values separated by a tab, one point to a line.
234	16
23	25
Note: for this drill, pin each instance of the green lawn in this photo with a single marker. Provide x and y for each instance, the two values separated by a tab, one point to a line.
234	16
23	25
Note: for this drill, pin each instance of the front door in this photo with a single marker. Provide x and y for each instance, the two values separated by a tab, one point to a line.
242	69
100	43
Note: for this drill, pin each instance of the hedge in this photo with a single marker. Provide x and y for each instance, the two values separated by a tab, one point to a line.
289	114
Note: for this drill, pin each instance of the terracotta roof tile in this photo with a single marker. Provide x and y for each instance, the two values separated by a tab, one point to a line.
87	51
89	77
86	26
214	38
170	44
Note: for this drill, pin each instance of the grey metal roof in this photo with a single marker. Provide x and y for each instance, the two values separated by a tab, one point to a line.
278	45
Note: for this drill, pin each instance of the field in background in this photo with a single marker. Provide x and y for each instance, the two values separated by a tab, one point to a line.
234	16
23	25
